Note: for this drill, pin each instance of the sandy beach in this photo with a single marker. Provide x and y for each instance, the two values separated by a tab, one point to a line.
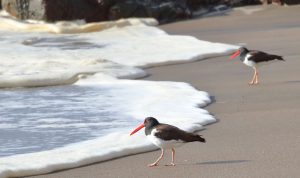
258	131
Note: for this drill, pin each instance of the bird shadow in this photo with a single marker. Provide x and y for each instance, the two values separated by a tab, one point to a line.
223	162
293	81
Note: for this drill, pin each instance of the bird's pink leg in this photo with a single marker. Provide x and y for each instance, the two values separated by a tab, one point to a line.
156	162
256	77
253	78
173	157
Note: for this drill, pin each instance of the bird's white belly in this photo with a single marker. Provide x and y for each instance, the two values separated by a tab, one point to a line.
248	62
165	144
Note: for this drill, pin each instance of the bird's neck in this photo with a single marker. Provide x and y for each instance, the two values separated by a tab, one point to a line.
148	130
243	55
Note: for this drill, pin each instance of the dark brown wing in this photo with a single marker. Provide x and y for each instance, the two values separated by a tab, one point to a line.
259	56
169	132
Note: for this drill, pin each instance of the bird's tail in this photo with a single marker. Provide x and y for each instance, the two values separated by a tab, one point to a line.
200	139
279	58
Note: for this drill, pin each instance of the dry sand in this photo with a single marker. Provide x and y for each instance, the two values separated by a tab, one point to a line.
258	133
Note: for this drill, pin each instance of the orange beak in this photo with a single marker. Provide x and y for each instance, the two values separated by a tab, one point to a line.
137	129
238	52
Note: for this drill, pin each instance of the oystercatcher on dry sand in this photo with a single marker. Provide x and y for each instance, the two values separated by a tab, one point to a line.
253	58
166	137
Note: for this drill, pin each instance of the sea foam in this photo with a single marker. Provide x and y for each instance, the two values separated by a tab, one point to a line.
44	59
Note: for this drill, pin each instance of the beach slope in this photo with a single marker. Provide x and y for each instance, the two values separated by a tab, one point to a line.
258	131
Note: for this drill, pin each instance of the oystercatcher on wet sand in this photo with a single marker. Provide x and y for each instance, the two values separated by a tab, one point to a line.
166	137
253	58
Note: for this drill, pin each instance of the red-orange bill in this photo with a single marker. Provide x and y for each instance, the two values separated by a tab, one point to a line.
235	54
137	129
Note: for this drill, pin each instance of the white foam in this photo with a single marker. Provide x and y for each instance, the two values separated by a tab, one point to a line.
43	59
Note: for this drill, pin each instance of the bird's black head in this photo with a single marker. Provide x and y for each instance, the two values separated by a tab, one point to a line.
243	50
150	122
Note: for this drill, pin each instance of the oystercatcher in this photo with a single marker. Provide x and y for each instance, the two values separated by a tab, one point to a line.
253	58
166	137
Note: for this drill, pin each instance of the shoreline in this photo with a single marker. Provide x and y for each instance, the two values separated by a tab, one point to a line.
255	123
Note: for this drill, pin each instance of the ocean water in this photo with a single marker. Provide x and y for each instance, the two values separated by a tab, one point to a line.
69	94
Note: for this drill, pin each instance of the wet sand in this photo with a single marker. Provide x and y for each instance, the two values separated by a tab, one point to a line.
258	133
